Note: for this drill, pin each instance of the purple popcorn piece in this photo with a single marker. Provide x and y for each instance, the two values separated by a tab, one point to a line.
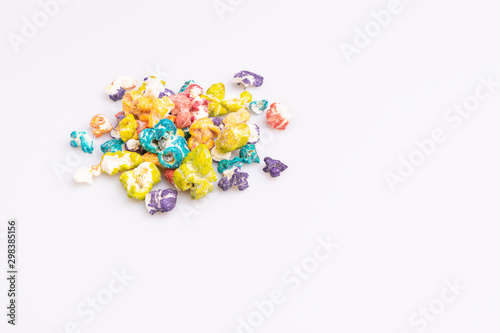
218	122
247	79
167	92
233	177
117	95
161	201
274	167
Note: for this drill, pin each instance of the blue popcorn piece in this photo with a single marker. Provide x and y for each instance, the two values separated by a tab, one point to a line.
233	177
83	140
258	107
248	154
163	140
229	164
112	146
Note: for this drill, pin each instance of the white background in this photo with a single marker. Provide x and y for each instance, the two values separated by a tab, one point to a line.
203	265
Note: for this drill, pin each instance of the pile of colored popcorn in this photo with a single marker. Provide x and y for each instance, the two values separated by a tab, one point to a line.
179	135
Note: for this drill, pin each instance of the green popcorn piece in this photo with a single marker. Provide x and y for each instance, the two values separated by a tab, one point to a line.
235	104
215	94
217	109
232	138
128	128
112	163
217	91
196	173
139	181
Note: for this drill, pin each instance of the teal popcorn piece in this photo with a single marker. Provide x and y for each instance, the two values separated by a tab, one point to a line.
186	84
229	164
163	140
82	139
248	154
112	146
258	107
187	134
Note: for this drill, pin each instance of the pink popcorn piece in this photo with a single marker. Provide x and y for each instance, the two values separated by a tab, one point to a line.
182	103
278	116
193	91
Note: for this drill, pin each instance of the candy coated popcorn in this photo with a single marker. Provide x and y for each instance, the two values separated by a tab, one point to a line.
152	88
112	146
246	79
254	133
140	126
152	158
218	122
112	163
128	128
248	154
193	90
200	108
134	145
241	116
186	84
224	165
217	156
130	101
235	104
169	176
184	119
274	167
232	138
100	125
258	107
196	173
215	94
161	108
161	201
117	89
203	131
139	181
278	116
83	140
182	104
233	177
162	140
85	175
